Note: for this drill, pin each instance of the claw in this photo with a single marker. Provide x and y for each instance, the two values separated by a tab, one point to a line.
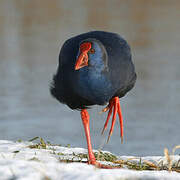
113	104
109	136
104	110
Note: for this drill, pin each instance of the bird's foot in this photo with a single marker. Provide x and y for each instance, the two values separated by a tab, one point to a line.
101	166
92	159
114	105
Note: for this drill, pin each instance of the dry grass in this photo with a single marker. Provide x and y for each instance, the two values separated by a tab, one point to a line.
169	159
131	163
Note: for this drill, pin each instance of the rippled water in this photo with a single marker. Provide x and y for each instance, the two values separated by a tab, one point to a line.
31	34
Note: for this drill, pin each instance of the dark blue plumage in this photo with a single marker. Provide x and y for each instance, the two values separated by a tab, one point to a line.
94	68
110	71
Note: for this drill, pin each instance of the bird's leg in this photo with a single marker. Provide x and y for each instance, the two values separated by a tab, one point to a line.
92	159
85	120
114	105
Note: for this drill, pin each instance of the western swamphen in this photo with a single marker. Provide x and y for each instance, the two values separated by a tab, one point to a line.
94	68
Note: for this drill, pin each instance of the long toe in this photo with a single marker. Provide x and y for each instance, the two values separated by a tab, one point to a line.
103	166
107	120
114	105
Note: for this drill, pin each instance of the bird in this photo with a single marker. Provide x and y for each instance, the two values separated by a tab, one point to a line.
95	68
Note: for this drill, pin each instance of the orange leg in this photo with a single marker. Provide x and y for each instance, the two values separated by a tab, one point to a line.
85	120
92	159
113	104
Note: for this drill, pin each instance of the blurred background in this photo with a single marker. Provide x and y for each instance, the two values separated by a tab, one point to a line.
31	34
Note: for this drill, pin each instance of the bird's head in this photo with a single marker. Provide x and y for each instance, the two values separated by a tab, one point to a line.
91	53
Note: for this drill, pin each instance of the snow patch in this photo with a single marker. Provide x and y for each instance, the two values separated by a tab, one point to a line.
18	161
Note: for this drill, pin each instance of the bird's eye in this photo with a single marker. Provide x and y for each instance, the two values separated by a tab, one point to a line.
92	51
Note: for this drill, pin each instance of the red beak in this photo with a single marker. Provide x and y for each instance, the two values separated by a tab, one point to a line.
82	59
